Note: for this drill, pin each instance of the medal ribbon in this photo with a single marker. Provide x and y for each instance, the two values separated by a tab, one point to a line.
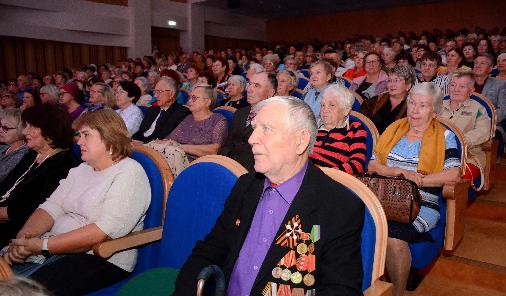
291	233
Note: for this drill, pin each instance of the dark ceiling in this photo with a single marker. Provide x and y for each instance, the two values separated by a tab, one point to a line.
269	9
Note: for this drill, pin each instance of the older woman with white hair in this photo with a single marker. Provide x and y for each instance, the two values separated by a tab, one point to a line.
422	150
340	142
388	56
146	99
49	94
501	66
235	91
254	68
270	62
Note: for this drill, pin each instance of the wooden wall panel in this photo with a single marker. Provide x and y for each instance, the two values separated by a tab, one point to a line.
219	43
23	55
167	40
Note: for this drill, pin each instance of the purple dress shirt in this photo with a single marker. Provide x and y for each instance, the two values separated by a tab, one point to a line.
270	212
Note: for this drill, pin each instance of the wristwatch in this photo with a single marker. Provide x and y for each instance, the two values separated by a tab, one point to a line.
45	250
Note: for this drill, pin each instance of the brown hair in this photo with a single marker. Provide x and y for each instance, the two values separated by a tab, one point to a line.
112	130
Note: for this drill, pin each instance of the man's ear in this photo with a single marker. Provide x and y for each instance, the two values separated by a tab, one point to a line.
303	138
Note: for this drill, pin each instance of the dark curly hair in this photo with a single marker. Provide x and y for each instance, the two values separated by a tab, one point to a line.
54	123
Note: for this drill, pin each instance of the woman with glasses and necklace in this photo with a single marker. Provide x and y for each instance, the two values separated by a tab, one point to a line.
49	136
388	107
200	133
13	146
374	82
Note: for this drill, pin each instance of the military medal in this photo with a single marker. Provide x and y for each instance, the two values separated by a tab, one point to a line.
296	277
302	248
311	248
286	274
276	272
309	280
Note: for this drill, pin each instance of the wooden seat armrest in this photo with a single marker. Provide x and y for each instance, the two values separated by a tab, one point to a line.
5	270
457	190
379	288
487	146
108	248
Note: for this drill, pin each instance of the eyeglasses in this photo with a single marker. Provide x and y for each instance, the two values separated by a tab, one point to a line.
194	98
161	91
5	128
396	80
372	62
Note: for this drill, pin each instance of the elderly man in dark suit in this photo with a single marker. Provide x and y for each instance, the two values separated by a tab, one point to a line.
160	120
261	86
287	229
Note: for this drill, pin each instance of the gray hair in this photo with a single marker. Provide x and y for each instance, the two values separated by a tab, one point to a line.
463	73
171	83
209	92
14	114
153	73
274	58
20	286
405	71
300	116
344	97
239	79
145	83
431	90
258	68
107	93
52	91
294	80
389	49
502	55
489	58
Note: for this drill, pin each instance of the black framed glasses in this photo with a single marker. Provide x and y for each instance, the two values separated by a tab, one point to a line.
5	128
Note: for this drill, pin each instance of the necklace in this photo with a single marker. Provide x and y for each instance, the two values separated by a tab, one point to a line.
22	177
11	150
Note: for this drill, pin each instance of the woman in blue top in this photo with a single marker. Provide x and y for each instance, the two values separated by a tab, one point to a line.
321	76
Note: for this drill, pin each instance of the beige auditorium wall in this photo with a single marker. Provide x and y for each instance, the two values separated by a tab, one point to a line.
416	18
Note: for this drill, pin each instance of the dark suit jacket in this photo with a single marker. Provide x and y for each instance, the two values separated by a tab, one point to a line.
36	187
320	201
237	146
173	117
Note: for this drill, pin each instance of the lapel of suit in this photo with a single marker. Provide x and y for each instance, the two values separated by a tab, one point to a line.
304	205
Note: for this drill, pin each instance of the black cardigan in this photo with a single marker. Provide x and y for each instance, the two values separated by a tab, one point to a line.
36	187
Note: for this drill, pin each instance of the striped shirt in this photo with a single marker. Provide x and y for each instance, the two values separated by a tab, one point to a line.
442	81
342	148
404	155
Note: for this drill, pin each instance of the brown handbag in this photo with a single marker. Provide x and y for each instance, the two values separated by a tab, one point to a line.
399	197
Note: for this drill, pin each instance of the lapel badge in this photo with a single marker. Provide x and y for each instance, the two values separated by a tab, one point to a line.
237	222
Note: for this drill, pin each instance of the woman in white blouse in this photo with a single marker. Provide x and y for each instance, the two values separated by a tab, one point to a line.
127	94
105	197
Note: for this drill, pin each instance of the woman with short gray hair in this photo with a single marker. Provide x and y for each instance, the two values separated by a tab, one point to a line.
11	135
235	91
386	108
146	99
341	141
49	94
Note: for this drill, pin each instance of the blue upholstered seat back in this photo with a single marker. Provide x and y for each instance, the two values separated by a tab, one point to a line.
195	200
229	115
305	72
302	83
368	248
369	141
356	105
147	254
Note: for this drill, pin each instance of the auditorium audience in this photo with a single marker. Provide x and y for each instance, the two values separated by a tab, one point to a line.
105	197
12	140
127	94
192	76
340	141
48	136
71	98
9	100
322	74
287	82
374	82
201	133
424	151
501	66
453	62
469	50
386	108
160	120
220	71
471	118
235	92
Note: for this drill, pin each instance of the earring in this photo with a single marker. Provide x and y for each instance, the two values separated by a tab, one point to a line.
110	151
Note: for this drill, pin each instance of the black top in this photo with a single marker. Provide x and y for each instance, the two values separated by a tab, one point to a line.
363	86
168	121
379	110
236	104
237	146
37	185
